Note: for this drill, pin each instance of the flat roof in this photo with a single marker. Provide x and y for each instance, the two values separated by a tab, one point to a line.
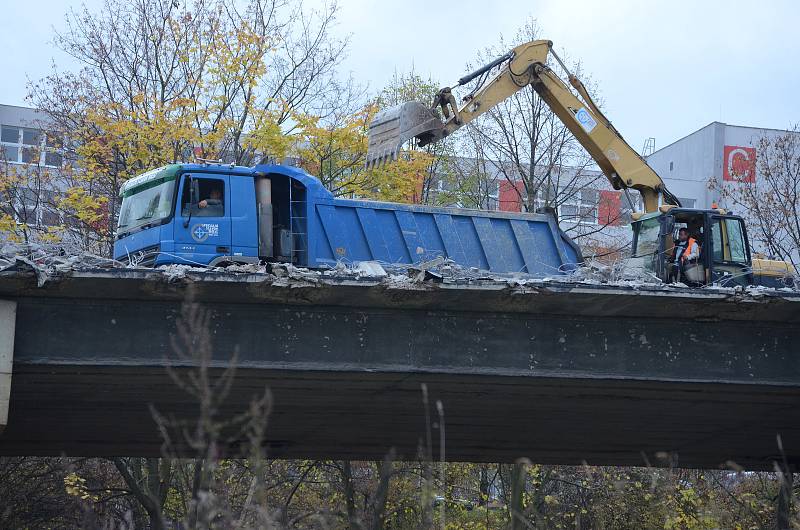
715	123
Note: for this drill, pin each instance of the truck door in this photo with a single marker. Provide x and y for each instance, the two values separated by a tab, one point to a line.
203	222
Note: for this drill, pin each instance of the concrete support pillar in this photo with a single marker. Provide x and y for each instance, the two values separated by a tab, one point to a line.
8	319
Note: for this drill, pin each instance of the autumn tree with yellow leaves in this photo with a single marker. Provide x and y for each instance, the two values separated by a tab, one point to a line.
28	210
335	148
163	81
425	165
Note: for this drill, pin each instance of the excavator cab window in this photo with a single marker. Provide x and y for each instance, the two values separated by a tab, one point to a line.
646	234
730	253
645	245
736	242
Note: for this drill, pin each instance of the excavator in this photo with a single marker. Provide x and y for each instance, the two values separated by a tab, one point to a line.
725	252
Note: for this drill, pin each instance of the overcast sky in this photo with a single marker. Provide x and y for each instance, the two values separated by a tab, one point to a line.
663	68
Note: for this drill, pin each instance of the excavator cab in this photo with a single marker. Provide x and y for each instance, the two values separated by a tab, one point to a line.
724	250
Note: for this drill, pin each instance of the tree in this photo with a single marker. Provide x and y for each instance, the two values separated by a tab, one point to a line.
769	197
29	208
471	179
32	490
423	167
335	148
162	78
532	151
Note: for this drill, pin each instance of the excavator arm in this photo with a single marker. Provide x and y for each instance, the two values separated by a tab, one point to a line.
524	65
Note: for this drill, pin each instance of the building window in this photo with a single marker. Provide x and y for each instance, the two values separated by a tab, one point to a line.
579	206
21	145
493	199
53	159
9	134
670	166
53	156
31	137
544	197
574	206
10	153
30	155
37	208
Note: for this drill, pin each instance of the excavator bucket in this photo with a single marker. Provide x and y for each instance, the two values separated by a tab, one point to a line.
393	127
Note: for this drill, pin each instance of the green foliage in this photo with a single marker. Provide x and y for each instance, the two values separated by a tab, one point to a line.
311	494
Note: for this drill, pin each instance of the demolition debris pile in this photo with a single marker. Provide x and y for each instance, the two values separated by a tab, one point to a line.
49	263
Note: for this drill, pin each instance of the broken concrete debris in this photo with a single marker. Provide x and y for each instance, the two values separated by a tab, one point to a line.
48	263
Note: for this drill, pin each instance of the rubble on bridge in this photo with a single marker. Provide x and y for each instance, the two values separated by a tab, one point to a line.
51	265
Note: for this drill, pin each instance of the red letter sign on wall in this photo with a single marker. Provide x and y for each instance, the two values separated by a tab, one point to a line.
509	196
608	209
739	164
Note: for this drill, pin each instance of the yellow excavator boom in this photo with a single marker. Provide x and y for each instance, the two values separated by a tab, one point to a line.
523	66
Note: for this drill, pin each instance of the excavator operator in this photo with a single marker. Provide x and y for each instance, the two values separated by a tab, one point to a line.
685	253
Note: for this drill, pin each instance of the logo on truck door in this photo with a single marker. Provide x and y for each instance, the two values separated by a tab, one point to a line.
202	231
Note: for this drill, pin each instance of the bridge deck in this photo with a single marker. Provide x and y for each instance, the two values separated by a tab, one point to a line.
557	373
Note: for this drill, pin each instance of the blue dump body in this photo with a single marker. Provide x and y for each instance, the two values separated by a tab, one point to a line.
298	220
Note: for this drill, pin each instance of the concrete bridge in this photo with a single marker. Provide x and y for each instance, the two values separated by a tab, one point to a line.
556	372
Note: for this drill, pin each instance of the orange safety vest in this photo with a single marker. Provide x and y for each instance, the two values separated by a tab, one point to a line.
688	249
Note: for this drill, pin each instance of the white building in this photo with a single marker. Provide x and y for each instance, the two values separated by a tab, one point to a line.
696	167
27	152
714	164
23	140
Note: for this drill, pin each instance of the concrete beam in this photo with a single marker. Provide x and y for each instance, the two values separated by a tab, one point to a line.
8	314
557	373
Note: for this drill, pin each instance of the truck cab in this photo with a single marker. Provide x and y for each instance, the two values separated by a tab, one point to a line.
213	214
725	254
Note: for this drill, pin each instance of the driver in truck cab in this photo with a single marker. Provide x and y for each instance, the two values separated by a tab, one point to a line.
214	199
686	251
211	204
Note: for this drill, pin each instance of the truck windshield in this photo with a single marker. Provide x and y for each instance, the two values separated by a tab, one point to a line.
148	200
646	232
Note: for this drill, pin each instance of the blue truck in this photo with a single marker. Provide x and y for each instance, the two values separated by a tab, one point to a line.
215	215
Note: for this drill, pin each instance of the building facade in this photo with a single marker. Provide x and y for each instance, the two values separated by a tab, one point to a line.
30	161
712	167
578	195
697	166
23	140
